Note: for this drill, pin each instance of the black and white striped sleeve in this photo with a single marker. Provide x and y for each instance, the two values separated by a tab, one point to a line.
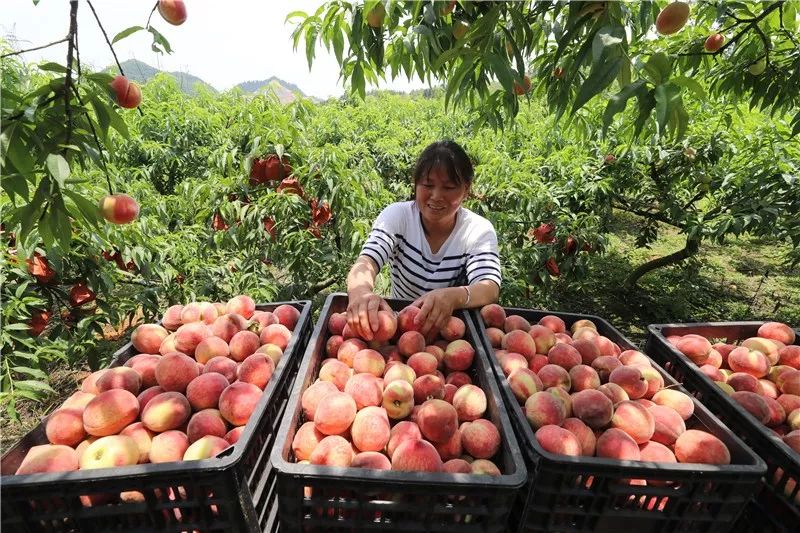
484	260
382	240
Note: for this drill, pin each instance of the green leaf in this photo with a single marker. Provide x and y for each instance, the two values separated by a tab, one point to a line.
357	81
124	33
33	385
666	94
617	103
58	168
53	67
159	40
606	43
659	67
691	84
600	78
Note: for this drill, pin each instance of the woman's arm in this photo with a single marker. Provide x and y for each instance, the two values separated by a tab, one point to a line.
438	305
362	303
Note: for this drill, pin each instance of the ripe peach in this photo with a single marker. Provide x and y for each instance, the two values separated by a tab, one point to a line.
588	350
790	382
614	392
172	317
78	400
635	420
513	322
565	398
583	377
48	458
518	341
484	467
493	316
398	398
175	370
143	438
256	369
225	327
332	451
211	347
511	361
668	424
457	466
677	400
606	346
790	356
205	447
416	456
695	446
543	337
410	343
287	315
221	365
589	334
654	380
428	387
110	451
582	323
437	420
199	312
109	412
592	407
245	343
604	365
121	208
168	346
695	347
741	381
557	440
238	401
714	42
145	366
523	383
173	11
656	452
399	371
147	338
314	394
453	329
336	323
542	408
370	431
305	440
495	336
554	323
751	362
263	319
459	355
406	319
120	377
336	372
148	394
401	432
768	347
565	355
789	402
89	384
205	422
458	379
555	376
777	414
630	379
754	404
480	438
769	389
634	358
65	426
616	444
672	18
168	446
470	403
450	449
373	460
335	413
242	305
714	358
348	350
365	389
777	331
563	338
583	433
203	392
165	411
712	372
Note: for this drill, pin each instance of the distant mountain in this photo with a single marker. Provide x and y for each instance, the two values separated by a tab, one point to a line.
142	72
255	86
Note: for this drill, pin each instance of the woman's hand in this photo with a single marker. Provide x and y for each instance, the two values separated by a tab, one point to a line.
362	312
436	309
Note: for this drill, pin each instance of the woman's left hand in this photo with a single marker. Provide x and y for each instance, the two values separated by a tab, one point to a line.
436	309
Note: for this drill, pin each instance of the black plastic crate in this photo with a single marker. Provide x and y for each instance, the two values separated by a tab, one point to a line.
356	499
568	494
234	491
777	505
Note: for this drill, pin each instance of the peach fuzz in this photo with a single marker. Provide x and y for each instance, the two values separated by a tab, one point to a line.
583	433
242	305
695	347
65	426
335	413
305	440
145	366
616	444
416	456
109	412
120	377
593	408
211	347
314	394
588	350
143	438
188	336
694	446
221	365
493	315
147	338
656	452
635	420
402	431
371	431
542	408
428	387
555	439
469	402
437	420
48	458
332	451
238	401
553	323
564	355
365	389
518	341
777	331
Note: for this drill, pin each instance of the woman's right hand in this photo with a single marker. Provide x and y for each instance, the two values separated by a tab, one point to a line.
362	312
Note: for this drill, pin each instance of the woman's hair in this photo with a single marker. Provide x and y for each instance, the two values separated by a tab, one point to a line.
447	155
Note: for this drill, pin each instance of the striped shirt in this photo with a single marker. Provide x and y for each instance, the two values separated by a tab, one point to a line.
467	256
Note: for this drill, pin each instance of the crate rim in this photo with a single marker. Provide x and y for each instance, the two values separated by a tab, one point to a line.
657	331
213	464
649	467
515	480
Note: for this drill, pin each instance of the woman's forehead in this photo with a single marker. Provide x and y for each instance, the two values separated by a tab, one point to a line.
439	174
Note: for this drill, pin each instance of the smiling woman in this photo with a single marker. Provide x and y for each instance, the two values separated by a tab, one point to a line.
440	254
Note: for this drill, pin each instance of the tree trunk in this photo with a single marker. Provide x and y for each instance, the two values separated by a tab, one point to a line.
691	248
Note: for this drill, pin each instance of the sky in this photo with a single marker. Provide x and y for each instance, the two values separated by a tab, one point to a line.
222	42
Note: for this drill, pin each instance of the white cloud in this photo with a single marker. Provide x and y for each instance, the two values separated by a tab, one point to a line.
224	43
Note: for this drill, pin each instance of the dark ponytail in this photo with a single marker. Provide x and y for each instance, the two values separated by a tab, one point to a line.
447	155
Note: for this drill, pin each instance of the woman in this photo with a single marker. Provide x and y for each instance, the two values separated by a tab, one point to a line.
442	255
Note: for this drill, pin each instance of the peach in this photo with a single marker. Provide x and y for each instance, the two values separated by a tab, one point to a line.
305	440
147	338
199	312
365	389
458	379
741	381
335	413
654	380
78	400
614	392
458	355
512	361
205	422
790	356
604	364
406	319
263	319
171	320
287	315
768	347
631	380
238	401
244	344
203	392
470	403
513	322
694	446
221	365
582	323
553	323
168	345
557	440
428	387
681	402
336	323
333	344
457	466
173	11
668	424
416	456
120	377
634	358
143	438
656	452
225	327
480	438
583	433
188	336
563	338
373	460
565	355
168	446
449	392
147	395
314	394
450	449
523	383
65	426
110	451
793	420
410	343
565	398
714	358
370	431
790	382
348	350
332	450
593	408
493	315
616	444
48	458
769	389
751	362
398	398
109	412
402	431
543	337
754	404
607	347
695	347
276	334
589	334
437	420
542	408
495	336
211	347
205	447
518	341
712	372
583	377
369	361
792	439
453	329
484	467
777	331
145	366
89	385
789	402
635	420
555	376
777	414
588	350
336	372
165	411
242	305
175	370
256	369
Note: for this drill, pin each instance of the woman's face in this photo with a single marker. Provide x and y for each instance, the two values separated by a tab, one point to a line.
438	197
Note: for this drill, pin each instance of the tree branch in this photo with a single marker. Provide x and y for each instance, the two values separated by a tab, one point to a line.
644	214
65	39
97	141
324	284
73	28
751	23
691	248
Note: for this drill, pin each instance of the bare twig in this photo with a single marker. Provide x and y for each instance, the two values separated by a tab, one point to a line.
155	6
73	28
65	39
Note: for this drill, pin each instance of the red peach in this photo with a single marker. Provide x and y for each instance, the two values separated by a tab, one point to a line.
371	431
668	424
145	366
332	451
695	446
593	408
172	317
437	420
238	401
206	422
557	440
335	413
493	315
305	440
175	370
513	322
554	323
583	433
242	305
120	377
168	446
373	460
564	355
203	392
416	456
147	338
168	410
109	412
365	389
287	315
65	426
542	408
616	444
677	400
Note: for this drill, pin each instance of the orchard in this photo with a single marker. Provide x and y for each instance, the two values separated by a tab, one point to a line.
638	160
